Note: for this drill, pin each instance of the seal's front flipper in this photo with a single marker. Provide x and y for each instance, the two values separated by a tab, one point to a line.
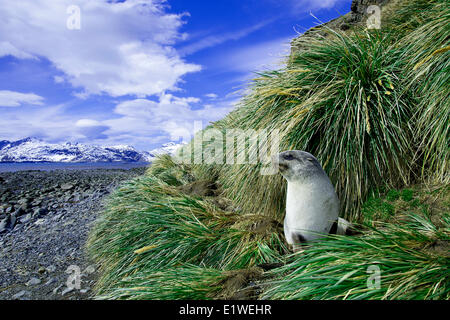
299	242
345	228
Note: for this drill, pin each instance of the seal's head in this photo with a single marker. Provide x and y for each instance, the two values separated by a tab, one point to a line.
297	165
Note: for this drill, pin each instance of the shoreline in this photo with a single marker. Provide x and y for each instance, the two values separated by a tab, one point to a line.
52	166
45	217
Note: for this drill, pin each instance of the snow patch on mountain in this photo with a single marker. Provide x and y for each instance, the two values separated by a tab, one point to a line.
36	150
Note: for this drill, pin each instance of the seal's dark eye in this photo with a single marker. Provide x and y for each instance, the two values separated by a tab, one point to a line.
288	157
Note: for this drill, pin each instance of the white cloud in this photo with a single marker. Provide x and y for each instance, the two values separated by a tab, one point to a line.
16	99
122	48
58	79
170	117
50	123
299	6
6	48
91	129
322	4
214	40
211	96
86	123
143	123
245	61
136	108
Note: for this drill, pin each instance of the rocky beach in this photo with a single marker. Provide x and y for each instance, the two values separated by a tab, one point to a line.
44	221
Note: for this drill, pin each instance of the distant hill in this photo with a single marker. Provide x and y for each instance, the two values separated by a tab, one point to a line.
36	150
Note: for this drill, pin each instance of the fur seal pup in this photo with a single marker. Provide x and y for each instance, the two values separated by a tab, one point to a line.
312	205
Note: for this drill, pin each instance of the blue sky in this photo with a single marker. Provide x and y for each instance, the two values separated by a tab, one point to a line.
137	72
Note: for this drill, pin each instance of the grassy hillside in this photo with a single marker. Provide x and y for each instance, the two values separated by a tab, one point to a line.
406	240
373	106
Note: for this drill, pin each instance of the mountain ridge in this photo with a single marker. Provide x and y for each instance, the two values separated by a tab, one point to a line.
32	149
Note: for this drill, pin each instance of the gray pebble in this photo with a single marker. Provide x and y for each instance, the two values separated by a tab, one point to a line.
51	268
21	294
25	218
86	290
67	290
33	281
56	240
55	291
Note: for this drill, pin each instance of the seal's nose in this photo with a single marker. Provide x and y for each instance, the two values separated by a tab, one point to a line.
279	163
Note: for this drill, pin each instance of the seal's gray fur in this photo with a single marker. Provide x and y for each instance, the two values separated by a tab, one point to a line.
312	205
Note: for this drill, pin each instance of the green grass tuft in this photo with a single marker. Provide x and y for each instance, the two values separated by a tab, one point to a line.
428	73
151	225
412	259
187	282
341	99
373	107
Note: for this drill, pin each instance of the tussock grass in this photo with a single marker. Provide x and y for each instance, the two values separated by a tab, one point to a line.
150	225
373	108
428	50
429	200
403	17
342	99
351	99
170	172
407	239
187	282
412	260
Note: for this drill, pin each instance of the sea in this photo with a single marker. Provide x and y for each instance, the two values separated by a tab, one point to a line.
49	166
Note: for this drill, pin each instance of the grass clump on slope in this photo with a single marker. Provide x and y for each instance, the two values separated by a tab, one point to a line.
152	229
412	258
342	100
428	49
373	107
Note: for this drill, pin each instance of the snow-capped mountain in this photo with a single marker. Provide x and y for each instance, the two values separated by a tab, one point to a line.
36	150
